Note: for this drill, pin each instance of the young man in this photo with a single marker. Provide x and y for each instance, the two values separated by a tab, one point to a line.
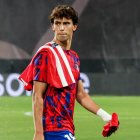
54	76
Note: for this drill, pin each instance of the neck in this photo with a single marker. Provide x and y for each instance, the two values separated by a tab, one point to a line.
66	45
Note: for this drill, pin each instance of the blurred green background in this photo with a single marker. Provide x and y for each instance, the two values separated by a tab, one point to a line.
15	125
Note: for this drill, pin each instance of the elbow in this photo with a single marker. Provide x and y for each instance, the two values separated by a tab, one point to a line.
78	100
80	96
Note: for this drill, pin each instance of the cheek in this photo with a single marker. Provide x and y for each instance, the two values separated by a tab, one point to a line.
70	30
53	28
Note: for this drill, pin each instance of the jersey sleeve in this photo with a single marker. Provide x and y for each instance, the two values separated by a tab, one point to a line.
40	67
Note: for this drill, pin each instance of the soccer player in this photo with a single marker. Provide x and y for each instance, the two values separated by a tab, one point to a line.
54	76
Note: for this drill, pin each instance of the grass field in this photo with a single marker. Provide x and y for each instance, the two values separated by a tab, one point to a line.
15	125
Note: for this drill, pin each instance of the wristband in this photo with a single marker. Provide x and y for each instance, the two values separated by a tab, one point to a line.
104	115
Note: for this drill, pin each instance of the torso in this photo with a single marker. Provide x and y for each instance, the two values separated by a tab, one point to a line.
59	102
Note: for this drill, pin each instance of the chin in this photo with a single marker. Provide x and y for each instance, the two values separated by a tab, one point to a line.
63	40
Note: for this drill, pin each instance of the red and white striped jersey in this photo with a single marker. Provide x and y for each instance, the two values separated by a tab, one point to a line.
60	70
60	73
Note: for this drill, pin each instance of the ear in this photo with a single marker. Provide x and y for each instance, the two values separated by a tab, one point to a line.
52	26
75	27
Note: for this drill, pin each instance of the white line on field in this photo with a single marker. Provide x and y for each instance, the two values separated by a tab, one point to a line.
28	114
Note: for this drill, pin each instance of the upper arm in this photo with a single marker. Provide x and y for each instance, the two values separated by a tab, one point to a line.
39	88
40	75
80	91
40	70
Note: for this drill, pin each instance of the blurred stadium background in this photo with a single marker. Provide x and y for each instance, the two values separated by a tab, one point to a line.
107	40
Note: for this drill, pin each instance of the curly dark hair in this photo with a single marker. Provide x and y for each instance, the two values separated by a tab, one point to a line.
66	11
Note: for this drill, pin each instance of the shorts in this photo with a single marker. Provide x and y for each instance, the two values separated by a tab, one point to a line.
59	135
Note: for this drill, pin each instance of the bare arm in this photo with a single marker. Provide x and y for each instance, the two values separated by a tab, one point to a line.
39	89
85	100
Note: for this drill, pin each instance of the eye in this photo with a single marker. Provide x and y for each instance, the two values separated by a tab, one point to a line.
66	23
57	23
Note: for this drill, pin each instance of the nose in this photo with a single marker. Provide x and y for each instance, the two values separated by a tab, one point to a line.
61	27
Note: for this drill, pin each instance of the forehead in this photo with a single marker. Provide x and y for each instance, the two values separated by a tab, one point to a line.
62	20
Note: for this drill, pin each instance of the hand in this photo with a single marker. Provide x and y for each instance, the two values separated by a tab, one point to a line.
111	126
38	136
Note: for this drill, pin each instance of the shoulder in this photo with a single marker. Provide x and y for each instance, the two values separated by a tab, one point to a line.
42	53
74	53
45	49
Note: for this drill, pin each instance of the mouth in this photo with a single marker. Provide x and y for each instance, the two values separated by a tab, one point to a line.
62	34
